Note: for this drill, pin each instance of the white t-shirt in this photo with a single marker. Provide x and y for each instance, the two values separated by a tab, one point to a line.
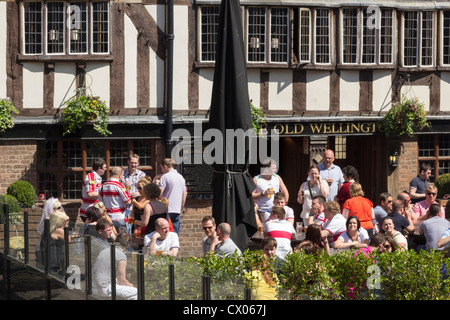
265	203
289	214
319	219
282	231
171	241
335	227
362	236
174	187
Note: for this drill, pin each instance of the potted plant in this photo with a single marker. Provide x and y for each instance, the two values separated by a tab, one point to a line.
405	118
24	192
7	109
81	110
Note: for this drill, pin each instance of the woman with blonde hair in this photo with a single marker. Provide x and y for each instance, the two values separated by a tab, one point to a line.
360	207
101	206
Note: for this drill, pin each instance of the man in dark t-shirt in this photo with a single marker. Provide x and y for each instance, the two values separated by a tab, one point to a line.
418	184
401	222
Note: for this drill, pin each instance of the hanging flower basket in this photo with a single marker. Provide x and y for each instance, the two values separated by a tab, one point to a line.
82	110
406	117
7	109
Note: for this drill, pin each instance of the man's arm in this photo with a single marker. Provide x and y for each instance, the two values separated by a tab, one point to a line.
443	242
122	274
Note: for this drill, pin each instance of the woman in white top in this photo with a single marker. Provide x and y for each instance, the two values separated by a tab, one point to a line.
354	237
315	186
400	241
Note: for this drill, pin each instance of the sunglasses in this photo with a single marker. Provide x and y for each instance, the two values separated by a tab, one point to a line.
387	246
431	193
140	188
204	228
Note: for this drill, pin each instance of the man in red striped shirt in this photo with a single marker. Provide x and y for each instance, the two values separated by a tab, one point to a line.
280	229
116	198
91	186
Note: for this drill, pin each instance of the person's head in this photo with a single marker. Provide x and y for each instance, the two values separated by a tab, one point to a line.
133	162
279	199
123	239
93	214
269	167
397	206
116	173
405	198
313	234
385	200
379	242
331	208
434	209
356	190
99	166
162	227
388	224
349	173
58	219
313	173
308	247
277	213
209	226
328	158
167	164
425	171
223	231
389	244
318	203
142	182
431	193
101	206
151	191
104	228
353	223
269	246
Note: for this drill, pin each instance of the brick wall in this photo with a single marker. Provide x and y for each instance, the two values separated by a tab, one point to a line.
18	162
399	178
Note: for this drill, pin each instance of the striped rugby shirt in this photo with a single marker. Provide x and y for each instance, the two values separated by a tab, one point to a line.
92	182
115	196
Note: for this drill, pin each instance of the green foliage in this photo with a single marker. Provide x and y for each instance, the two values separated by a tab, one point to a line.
443	184
405	118
23	191
81	110
15	215
7	109
258	118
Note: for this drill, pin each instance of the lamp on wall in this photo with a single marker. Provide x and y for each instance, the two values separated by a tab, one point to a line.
254	43
393	158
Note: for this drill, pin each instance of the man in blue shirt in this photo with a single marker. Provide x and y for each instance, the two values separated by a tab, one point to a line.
331	173
418	184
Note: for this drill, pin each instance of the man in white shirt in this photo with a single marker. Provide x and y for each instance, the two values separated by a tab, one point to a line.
331	173
317	215
281	230
173	187
335	224
162	241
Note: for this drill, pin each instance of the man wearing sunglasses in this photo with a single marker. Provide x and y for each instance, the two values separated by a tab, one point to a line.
421	208
209	227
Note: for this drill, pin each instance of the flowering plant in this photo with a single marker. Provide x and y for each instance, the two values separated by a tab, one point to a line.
405	118
81	110
7	109
258	117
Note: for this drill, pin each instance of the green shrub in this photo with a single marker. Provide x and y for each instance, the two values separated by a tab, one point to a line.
15	214
24	192
443	184
7	109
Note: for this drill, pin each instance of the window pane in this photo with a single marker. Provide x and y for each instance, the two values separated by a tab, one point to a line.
48	185
426	146
350	35
78	27
446	37
100	27
118	153
209	31
322	36
386	36
94	150
143	148
427	38
72	182
444	146
55	27
256	34
279	35
72	154
305	35
411	34
369	40
444	167
33	27
48	154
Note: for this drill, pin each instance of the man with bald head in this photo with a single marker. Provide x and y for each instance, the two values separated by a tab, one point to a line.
223	244
116	198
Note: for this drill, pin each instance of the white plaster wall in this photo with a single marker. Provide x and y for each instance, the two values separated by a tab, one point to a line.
349	91
421	92
65	83
2	49
318	90
156	64
33	85
130	64
445	91
98	78
254	86
382	90
280	90
205	84
180	61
